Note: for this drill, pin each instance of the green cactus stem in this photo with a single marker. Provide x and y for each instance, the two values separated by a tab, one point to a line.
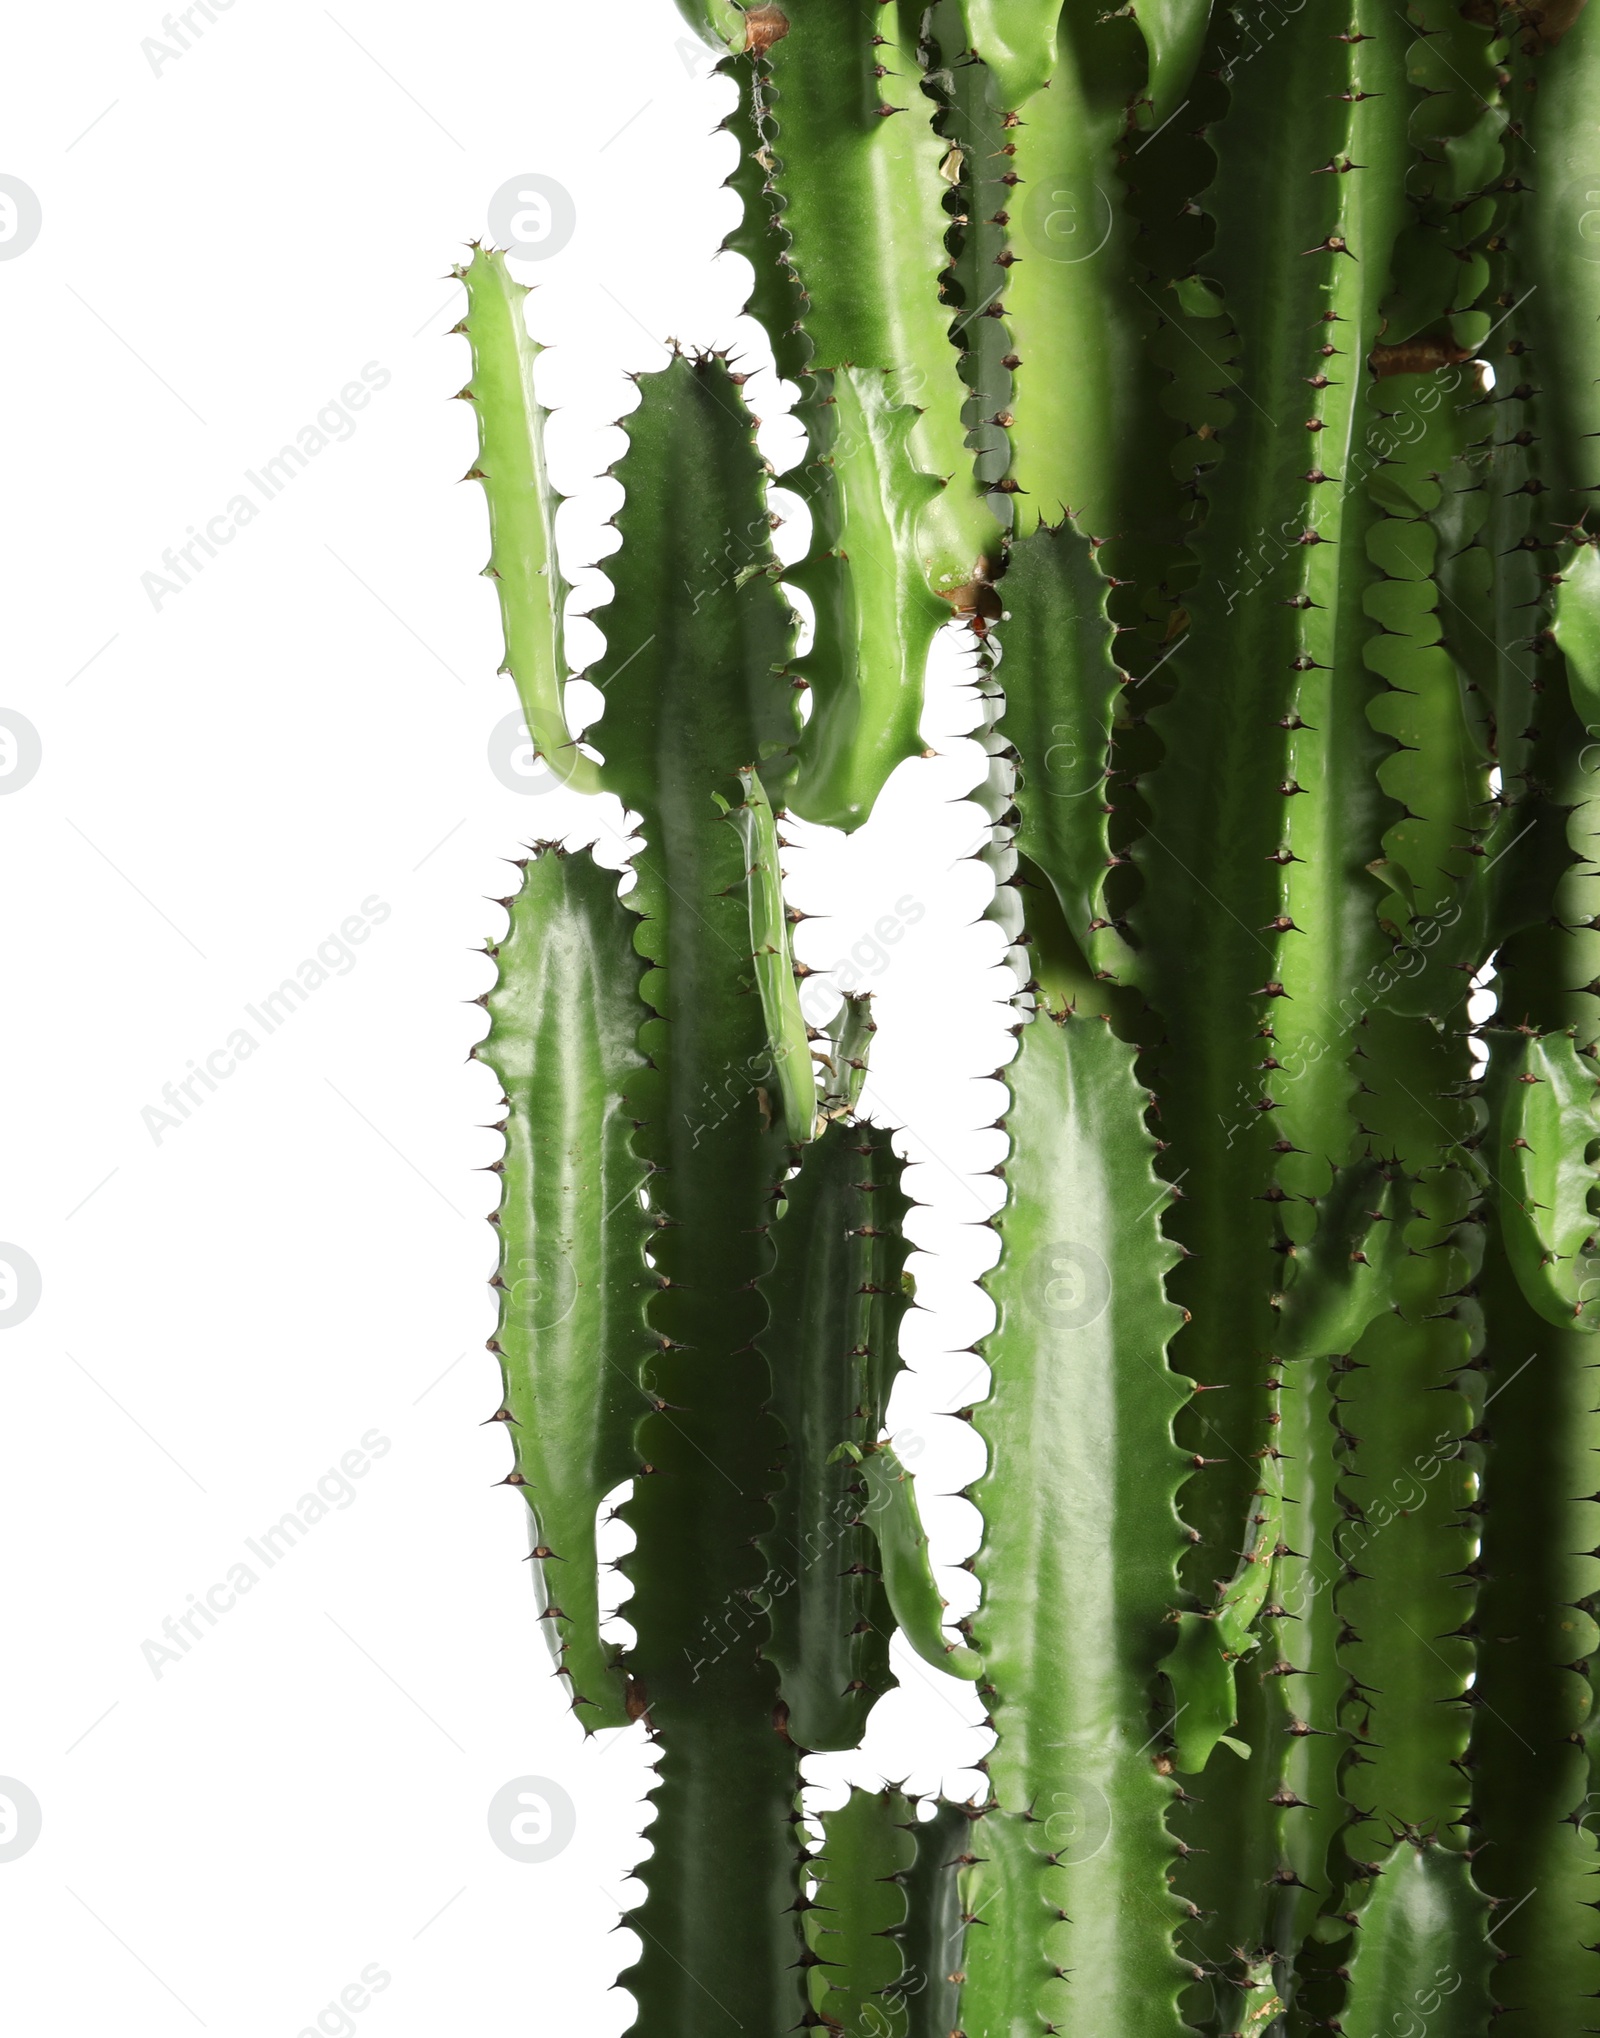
1260	818
565	1016
935	1931
788	1041
875	617
522	507
1559	76
908	1576
1078	1561
858	1913
1421	1953
857	167
1530	1765
835	1300
1549	1123
695	695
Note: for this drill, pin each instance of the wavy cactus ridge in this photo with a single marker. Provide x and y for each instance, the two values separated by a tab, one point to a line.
1070	1882
571	1340
1081	444
857	1915
695	694
1276	539
875	617
1549	1121
1410	1480
833	1298
857	170
1421	1951
1536	1849
1063	688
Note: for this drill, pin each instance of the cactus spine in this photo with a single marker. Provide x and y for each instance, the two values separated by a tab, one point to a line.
1231	374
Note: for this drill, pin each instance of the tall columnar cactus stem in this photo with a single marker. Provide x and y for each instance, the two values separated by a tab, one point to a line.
1068	1893
522	506
1063	703
882	1932
935	1933
1556	103
835	1300
1091	442
978	168
1533	1726
856	1914
1410	1487
694	695
857	165
571	1340
1257	817
1530	1761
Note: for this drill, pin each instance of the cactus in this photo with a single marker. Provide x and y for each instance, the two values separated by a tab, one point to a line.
1229	376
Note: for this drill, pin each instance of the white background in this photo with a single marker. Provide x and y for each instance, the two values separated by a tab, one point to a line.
227	240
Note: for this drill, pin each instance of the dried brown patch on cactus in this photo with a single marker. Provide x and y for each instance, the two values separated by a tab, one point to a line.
763	26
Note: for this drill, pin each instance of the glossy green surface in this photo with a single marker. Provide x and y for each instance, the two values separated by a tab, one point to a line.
858	1910
1083	441
1174	32
857	166
1078	1561
834	1300
935	1931
908	1577
875	617
1062	684
564	1023
1016	40
1549	1119
1421	1962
